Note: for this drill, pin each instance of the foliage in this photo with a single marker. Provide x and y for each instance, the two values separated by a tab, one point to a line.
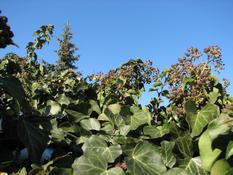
54	121
66	51
5	33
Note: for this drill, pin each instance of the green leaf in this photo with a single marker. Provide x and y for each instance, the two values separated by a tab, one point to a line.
185	145
55	107
176	171
167	155
220	126
34	138
57	133
77	116
198	121
207	154
115	108
190	108
113	171
94	106
213	96
156	131
90	124
229	172
14	88
220	166
97	145
91	164
217	127
63	99
145	158
194	167
139	118
61	171
124	130
23	171
229	150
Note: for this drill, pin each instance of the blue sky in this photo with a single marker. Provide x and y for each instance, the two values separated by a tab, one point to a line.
109	32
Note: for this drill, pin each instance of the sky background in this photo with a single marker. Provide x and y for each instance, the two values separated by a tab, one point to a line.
110	32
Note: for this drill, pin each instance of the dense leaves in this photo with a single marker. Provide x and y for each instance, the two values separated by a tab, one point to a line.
54	121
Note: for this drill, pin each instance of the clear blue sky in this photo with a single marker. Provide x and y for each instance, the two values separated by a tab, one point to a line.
109	32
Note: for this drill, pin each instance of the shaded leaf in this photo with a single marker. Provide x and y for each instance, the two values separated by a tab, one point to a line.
77	116
34	138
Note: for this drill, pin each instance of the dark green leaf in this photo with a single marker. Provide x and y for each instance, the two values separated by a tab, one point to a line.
34	138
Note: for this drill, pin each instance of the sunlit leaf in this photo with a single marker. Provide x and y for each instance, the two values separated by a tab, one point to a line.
168	157
198	121
90	124
145	159
97	145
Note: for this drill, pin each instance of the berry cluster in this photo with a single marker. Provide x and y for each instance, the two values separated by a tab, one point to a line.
191	77
130	78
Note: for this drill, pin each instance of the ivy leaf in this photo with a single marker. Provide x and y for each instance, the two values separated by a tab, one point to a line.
139	118
176	171
217	127
91	164
145	158
115	108
94	106
229	150
194	167
113	171
63	99
213	96
77	116
185	145
55	107
167	155
34	138
220	166
90	124
62	171
207	154
15	89
97	145
156	131
198	121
